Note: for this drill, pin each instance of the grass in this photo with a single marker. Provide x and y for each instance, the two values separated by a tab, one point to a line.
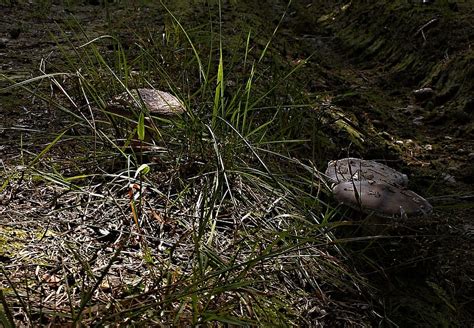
211	222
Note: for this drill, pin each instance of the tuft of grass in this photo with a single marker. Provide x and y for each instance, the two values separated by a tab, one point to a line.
209	220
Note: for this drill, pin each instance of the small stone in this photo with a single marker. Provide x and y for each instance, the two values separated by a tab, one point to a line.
448	178
423	93
377	123
418	121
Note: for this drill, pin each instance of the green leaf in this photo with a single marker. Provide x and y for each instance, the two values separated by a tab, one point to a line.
141	127
143	169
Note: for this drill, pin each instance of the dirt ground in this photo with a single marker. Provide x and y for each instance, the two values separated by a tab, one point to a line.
374	70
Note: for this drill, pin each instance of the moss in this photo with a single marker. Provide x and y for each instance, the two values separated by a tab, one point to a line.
12	240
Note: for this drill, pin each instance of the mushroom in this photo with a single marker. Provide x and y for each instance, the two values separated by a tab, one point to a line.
157	102
371	187
355	169
380	198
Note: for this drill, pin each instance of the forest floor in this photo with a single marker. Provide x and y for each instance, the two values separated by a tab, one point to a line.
371	67
382	60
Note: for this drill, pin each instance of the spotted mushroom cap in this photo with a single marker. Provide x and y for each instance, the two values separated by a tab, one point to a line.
380	198
355	169
156	101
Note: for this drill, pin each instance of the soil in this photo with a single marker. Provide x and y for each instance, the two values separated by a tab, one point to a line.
402	73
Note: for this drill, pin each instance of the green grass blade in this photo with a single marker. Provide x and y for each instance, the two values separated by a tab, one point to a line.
47	148
196	54
141	126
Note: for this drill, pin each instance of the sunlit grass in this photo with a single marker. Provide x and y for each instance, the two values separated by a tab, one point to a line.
215	221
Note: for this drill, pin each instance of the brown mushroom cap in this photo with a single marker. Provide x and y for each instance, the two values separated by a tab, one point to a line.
380	198
161	102
156	101
355	169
